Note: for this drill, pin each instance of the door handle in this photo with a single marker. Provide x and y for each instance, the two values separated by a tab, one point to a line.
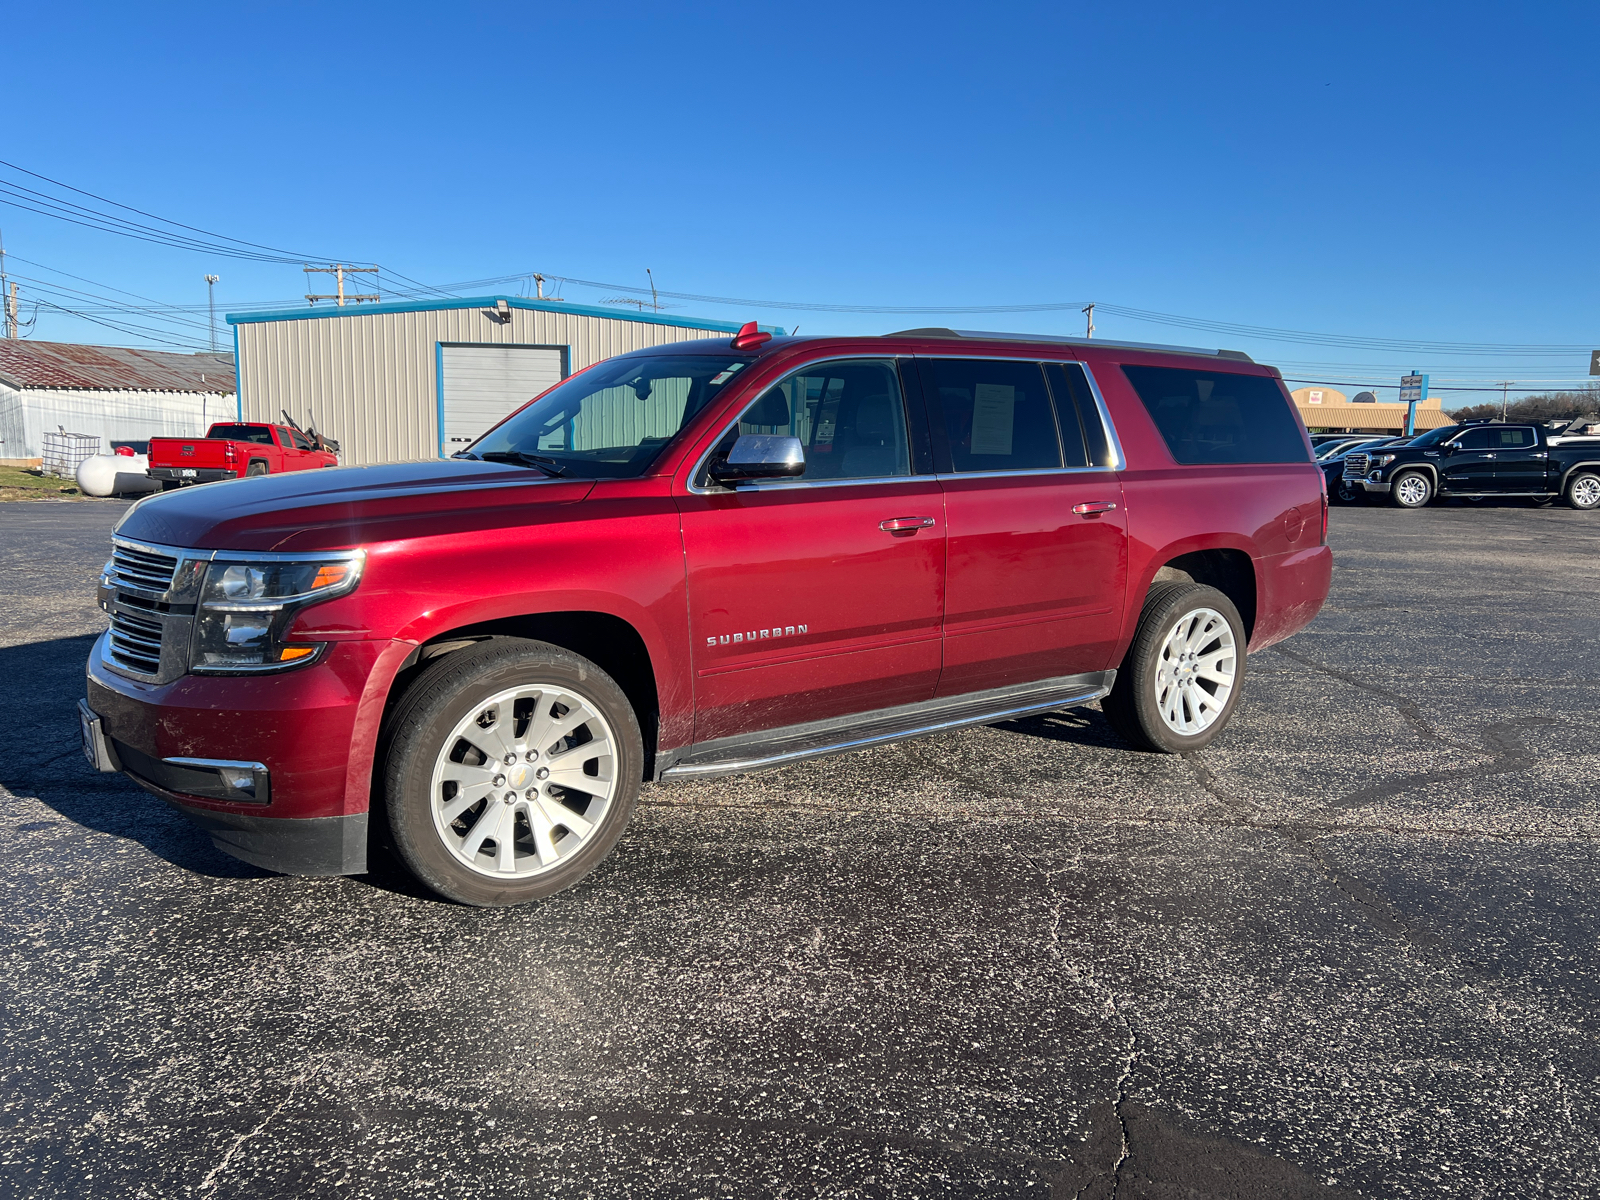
1539	454
905	524
1489	455
1093	508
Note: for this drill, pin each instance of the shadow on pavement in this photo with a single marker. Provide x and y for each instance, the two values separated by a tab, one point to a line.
41	756
1080	726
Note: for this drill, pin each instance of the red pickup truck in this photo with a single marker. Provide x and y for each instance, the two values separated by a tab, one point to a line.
235	450
698	559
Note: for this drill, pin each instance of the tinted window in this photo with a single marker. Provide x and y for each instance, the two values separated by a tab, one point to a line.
1079	427
1513	439
259	434
300	441
1219	417
613	420
996	413
1476	439
850	417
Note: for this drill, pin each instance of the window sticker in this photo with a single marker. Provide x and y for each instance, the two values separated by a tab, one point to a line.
724	376
994	408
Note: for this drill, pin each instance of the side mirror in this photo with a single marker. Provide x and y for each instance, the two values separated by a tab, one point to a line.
761	456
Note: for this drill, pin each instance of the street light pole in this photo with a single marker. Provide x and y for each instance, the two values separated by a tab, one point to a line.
211	301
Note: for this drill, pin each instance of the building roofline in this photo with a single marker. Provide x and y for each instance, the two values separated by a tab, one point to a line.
490	302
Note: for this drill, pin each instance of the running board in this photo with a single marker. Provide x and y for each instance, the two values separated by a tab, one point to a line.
792	743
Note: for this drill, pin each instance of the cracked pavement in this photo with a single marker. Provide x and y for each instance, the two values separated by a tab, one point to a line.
1347	950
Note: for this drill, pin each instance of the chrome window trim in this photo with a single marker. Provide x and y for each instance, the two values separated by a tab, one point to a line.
784	485
1025	471
700	466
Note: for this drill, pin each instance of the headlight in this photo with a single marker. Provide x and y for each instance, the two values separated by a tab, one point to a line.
1383	460
247	606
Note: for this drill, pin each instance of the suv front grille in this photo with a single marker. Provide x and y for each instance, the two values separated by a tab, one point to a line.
142	568
1355	466
136	643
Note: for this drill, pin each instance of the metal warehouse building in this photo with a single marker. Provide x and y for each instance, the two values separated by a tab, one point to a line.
114	394
419	380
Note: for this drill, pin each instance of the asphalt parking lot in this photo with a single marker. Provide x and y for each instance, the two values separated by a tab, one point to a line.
1348	950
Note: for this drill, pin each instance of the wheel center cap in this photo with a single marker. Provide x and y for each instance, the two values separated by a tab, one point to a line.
518	776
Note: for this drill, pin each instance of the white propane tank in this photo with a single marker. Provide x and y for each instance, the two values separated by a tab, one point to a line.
115	475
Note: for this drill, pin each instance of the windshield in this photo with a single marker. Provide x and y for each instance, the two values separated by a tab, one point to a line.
613	420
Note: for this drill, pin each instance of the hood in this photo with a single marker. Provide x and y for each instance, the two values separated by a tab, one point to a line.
341	507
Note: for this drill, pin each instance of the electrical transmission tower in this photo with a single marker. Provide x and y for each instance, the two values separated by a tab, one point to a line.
339	271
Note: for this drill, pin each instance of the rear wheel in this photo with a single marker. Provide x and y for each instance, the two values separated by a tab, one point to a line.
256	468
1583	491
513	768
1411	489
1179	685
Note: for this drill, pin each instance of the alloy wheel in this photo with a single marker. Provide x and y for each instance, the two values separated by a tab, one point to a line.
1195	671
524	781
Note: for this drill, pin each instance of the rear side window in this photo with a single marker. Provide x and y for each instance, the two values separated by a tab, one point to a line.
1513	439
1219	417
996	412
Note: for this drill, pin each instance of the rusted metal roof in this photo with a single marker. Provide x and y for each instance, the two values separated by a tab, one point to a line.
68	365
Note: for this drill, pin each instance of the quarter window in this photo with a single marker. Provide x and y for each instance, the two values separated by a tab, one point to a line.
996	413
1219	417
850	417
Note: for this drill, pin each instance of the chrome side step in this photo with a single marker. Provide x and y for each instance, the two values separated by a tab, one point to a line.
793	743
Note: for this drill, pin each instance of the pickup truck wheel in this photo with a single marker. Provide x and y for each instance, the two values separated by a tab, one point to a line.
1583	491
1179	684
1412	489
256	468
513	768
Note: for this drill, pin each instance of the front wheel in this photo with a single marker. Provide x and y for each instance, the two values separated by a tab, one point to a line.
1179	684
1349	491
513	768
1583	491
1412	489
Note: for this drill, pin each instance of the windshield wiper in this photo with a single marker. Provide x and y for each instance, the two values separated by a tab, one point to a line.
548	465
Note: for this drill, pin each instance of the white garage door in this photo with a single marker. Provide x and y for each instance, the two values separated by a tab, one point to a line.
483	383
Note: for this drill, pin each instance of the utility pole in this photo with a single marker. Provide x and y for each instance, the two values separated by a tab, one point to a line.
211	302
8	294
1505	391
339	271
1089	312
655	303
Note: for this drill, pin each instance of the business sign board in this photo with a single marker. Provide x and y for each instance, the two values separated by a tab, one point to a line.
1413	391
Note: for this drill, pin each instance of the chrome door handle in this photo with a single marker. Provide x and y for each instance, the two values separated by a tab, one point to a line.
905	524
1539	454
1489	455
1093	508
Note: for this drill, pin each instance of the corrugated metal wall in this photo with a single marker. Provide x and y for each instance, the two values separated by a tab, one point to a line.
369	379
112	414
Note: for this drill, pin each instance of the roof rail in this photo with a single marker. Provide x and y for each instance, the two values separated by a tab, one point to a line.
979	335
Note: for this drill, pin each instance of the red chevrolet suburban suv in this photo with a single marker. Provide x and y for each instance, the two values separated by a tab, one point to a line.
697	559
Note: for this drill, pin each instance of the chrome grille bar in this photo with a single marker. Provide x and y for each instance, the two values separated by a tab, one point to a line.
136	643
142	568
1355	466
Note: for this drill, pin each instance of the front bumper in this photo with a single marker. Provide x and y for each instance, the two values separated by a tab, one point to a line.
277	768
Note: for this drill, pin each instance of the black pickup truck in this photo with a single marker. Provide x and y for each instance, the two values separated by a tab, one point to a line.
1486	458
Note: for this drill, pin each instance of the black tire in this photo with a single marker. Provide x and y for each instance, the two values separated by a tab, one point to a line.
1349	491
1583	491
1416	497
446	694
1132	707
256	467
170	485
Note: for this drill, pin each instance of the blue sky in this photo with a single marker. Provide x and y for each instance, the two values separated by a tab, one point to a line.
1393	171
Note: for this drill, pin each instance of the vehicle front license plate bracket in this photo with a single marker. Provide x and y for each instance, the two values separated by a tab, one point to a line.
96	747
